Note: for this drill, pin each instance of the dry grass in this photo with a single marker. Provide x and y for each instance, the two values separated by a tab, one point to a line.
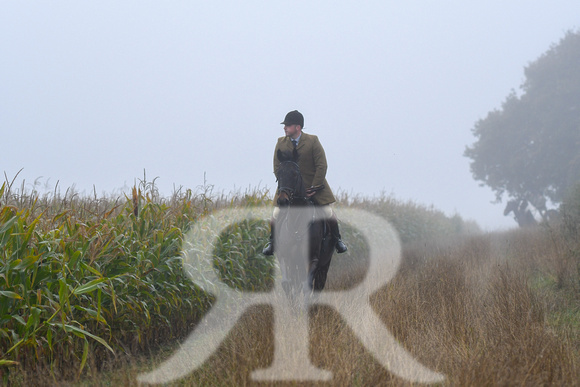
481	310
486	309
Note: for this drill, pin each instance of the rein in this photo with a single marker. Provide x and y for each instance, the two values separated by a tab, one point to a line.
298	184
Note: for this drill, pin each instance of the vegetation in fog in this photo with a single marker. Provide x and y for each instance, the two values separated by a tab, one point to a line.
84	280
93	293
528	151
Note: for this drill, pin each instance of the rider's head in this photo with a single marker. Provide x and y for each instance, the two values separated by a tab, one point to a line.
294	118
293	123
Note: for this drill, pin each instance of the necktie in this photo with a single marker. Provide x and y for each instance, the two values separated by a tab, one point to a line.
295	143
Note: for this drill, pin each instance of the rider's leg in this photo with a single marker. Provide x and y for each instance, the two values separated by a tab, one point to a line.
333	223
269	248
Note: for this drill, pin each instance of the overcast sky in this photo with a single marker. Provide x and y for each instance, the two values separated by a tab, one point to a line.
93	93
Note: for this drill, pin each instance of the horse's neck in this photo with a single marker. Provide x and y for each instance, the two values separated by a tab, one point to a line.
299	212
300	191
302	201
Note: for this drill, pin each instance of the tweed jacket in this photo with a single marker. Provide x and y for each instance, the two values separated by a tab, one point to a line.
312	163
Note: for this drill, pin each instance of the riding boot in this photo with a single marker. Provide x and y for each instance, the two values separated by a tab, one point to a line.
338	243
269	248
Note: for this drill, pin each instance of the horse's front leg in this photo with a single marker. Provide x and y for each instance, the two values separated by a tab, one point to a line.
312	269
314	251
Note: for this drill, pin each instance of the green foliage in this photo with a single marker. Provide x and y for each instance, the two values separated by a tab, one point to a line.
570	227
530	148
570	214
413	222
71	286
238	259
83	278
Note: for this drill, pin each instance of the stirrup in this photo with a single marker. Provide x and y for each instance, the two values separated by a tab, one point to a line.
340	246
269	249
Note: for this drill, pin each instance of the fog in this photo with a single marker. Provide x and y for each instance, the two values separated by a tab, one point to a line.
94	93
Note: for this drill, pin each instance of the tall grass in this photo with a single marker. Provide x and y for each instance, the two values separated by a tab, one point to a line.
413	221
80	277
88	283
483	310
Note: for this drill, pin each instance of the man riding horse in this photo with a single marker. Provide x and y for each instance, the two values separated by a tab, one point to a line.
312	163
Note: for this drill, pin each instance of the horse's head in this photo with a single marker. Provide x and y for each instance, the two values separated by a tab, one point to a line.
290	186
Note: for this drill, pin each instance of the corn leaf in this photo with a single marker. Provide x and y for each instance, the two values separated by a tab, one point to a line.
10	294
77	330
89	286
8	362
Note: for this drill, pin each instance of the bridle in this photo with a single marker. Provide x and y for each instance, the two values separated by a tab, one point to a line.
298	185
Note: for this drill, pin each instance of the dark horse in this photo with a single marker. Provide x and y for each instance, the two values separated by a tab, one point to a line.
304	243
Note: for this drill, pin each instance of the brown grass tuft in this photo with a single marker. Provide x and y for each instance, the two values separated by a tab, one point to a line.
470	309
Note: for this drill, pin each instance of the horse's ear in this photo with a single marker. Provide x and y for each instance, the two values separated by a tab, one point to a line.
280	155
286	156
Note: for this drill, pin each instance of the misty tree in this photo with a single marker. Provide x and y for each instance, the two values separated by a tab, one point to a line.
529	150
